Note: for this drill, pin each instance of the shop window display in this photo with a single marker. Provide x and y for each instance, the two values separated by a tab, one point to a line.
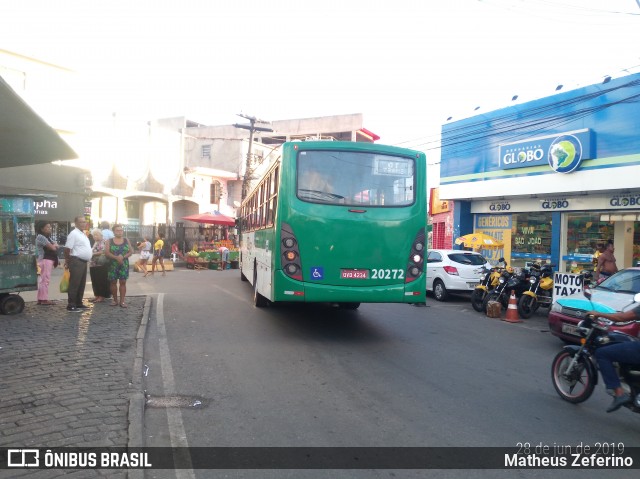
530	238
584	232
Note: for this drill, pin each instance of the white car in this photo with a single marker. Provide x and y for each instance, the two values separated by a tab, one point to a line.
453	271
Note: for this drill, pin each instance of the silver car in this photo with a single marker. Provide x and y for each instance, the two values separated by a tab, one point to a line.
453	271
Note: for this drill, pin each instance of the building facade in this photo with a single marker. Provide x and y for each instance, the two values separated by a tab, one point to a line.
551	178
182	168
46	89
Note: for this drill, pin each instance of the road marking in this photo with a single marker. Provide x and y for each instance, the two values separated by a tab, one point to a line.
230	293
174	416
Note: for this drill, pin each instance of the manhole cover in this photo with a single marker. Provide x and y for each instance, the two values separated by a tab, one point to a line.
194	402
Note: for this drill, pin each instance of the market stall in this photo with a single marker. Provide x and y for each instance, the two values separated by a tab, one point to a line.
206	254
18	258
210	258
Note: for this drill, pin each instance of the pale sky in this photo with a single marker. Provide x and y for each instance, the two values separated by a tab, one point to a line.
406	65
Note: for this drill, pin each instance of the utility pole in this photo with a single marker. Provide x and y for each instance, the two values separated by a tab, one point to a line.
248	172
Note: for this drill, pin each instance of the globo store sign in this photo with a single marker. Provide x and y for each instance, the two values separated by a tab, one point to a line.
561	152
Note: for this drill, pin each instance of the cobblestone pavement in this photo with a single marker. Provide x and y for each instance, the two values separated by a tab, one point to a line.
72	379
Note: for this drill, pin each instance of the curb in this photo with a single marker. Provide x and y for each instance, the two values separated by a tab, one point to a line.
137	399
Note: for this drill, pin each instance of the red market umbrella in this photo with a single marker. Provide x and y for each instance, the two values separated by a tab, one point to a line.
213	218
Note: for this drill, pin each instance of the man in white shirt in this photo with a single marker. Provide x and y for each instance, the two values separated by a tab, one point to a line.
77	253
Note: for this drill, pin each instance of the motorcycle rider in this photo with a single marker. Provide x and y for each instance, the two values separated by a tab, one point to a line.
627	352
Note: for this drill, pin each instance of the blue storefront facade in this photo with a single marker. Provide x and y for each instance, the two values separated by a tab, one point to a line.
552	177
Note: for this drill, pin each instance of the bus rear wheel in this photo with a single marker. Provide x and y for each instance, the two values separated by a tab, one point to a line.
259	300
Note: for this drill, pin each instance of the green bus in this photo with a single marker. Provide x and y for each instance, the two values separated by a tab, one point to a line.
337	222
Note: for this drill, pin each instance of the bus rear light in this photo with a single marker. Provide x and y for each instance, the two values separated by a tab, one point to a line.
290	254
289	242
415	265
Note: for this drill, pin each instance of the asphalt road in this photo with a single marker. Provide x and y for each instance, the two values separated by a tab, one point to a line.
224	373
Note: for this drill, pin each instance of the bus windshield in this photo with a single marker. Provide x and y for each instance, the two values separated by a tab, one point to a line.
355	178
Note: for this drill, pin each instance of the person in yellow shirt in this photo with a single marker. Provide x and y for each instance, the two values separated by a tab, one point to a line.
158	253
599	251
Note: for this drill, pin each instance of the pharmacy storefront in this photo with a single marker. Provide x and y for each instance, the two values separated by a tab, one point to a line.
549	180
563	231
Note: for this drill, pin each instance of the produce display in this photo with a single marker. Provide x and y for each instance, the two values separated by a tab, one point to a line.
210	258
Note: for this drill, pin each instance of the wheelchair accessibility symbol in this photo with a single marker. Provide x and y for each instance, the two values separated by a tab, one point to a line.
317	273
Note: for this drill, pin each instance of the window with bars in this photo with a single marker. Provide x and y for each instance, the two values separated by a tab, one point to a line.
206	151
215	192
438	235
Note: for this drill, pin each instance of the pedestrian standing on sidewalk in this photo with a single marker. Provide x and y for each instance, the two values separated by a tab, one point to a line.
98	269
158	253
107	234
119	250
47	260
606	263
77	253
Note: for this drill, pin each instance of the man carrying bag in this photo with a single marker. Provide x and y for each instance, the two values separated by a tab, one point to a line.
77	253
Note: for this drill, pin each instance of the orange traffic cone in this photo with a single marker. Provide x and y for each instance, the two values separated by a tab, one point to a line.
512	309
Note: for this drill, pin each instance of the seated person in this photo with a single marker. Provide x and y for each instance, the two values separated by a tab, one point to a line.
176	250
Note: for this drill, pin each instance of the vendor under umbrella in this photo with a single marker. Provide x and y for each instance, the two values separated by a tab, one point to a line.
224	256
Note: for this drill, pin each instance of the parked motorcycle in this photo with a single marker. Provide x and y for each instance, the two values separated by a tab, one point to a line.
509	280
574	370
540	292
489	279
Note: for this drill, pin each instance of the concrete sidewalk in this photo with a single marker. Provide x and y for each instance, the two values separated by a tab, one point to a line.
72	379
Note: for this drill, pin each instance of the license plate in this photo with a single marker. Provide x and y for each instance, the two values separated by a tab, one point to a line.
473	285
570	329
354	273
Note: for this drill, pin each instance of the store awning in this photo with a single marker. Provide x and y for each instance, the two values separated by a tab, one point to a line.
369	135
212	218
25	138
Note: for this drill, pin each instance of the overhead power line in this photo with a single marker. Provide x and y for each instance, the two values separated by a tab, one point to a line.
514	125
